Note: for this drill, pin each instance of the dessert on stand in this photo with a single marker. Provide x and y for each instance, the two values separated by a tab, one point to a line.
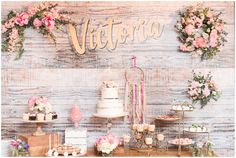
181	107
40	112
110	106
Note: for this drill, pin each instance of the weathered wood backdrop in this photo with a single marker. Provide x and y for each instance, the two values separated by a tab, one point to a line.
66	79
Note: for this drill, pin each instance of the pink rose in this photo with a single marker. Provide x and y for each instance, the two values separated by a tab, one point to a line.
32	101
37	23
48	21
199	42
22	19
213	38
189	29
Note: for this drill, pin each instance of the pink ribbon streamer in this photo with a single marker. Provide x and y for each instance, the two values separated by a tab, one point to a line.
133	61
143	101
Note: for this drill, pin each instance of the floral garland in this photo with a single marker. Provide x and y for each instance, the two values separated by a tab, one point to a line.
45	18
202	89
201	31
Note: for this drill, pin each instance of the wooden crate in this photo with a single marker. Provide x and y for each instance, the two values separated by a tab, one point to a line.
39	145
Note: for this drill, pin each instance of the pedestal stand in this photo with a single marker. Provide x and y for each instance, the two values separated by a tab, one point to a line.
109	119
39	124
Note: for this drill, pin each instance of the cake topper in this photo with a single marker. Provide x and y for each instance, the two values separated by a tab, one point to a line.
75	115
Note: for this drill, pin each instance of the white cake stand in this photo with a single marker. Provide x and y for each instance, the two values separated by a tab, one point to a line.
39	131
109	118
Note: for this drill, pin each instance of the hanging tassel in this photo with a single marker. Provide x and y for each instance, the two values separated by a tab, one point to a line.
139	103
143	101
136	103
126	100
133	103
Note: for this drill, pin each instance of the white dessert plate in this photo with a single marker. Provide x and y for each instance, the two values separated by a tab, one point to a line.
167	120
110	116
36	121
182	110
170	142
187	130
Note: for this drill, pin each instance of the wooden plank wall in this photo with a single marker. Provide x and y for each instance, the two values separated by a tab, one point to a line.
66	79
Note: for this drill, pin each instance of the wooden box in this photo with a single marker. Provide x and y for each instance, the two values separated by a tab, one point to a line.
77	137
39	145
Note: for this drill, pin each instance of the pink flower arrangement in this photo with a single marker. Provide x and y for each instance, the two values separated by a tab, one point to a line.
45	17
107	144
205	29
22	19
39	104
202	89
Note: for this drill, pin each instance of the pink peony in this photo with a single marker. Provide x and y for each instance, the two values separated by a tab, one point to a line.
101	140
37	23
22	19
213	38
189	29
49	22
32	102
113	139
199	42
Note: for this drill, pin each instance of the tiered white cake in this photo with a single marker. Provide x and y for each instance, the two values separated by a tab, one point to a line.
110	104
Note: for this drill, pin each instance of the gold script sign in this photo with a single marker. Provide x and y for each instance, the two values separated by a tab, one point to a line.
97	39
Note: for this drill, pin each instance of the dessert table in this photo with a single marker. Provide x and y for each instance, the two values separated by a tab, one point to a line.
120	152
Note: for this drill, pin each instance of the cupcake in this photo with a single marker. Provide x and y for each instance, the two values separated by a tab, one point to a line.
26	116
40	116
54	115
48	116
32	116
